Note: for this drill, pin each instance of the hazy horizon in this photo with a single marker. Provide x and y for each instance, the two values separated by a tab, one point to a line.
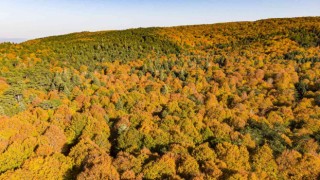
29	19
12	40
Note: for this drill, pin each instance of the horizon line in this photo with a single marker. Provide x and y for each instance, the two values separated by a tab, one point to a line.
22	40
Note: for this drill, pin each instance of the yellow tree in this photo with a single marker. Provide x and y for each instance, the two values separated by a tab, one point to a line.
264	164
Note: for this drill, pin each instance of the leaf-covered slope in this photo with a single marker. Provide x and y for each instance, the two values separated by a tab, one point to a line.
222	101
91	48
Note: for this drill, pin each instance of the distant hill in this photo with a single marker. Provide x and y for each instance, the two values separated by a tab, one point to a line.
12	40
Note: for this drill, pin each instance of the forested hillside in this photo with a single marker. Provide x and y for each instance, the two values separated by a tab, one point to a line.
222	101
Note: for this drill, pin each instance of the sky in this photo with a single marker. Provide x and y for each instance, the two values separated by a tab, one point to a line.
30	19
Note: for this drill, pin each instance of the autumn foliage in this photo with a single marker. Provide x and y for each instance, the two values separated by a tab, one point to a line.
223	101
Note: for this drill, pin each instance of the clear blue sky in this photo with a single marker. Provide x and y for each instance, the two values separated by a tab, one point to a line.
39	18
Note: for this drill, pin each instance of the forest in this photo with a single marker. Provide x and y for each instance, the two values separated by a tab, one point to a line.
236	100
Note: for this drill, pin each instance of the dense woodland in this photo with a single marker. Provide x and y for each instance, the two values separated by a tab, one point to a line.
223	101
